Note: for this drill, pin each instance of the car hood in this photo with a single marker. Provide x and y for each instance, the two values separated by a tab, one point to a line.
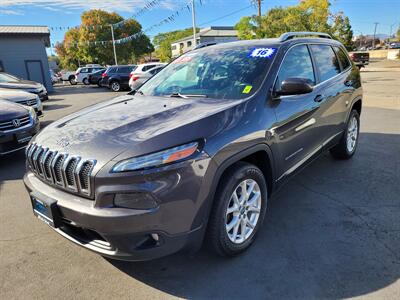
9	110
130	126
15	95
21	84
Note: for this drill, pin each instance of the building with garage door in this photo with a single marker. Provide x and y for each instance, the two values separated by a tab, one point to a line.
23	52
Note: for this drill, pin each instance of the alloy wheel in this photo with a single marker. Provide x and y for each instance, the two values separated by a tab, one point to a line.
243	211
352	134
115	86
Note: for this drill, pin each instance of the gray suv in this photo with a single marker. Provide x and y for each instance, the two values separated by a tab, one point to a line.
198	150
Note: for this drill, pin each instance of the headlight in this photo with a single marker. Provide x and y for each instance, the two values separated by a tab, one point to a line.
157	159
32	113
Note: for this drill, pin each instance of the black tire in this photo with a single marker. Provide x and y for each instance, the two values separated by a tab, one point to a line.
115	86
72	80
98	83
85	81
217	235
341	150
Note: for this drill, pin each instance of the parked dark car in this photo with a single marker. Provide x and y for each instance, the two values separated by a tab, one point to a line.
18	124
95	77
360	59
9	81
198	150
117	77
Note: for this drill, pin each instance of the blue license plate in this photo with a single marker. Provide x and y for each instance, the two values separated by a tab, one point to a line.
46	211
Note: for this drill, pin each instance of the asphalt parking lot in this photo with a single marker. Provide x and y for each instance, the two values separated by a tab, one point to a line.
332	232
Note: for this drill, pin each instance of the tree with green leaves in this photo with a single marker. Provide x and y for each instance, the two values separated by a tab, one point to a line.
162	42
341	30
308	15
83	44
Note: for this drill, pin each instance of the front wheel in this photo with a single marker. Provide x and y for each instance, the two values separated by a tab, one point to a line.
115	86
238	211
85	81
72	80
349	141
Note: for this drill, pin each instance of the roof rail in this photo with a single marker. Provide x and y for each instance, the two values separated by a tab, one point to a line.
290	35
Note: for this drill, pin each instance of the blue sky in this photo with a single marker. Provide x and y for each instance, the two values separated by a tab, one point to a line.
56	13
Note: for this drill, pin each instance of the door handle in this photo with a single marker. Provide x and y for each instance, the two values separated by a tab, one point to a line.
318	98
348	83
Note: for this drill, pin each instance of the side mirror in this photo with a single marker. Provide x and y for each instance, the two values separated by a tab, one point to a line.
294	86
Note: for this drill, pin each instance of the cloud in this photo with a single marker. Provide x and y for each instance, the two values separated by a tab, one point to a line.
10	12
109	5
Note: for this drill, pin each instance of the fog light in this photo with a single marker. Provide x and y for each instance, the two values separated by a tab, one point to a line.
135	201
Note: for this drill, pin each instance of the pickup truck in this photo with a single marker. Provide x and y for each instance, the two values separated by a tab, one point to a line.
360	58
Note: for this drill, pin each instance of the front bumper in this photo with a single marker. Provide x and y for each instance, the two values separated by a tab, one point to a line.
9	143
127	233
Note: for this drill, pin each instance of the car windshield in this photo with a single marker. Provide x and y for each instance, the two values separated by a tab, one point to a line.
4	77
213	72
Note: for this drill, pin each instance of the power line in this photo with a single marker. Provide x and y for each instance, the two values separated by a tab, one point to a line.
225	16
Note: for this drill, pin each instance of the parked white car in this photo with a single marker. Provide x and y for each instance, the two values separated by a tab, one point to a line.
137	79
82	74
54	77
24	98
145	67
68	76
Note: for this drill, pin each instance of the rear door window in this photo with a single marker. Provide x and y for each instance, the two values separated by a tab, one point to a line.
296	64
124	70
344	60
326	61
148	67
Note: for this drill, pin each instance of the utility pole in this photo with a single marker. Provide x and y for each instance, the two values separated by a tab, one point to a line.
373	41
194	25
113	42
259	8
391	27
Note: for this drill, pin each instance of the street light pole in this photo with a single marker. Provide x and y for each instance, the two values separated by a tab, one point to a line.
194	24
113	42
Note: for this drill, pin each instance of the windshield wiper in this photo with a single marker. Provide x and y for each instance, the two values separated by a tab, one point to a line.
136	92
185	96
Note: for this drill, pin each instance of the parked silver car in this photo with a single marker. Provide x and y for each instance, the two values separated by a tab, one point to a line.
24	98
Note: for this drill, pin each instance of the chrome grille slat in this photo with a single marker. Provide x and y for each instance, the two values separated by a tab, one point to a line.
66	171
30	102
8	125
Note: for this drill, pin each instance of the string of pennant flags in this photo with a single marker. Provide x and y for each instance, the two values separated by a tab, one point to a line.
149	5
129	38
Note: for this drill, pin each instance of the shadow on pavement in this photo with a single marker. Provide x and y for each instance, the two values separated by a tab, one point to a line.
81	89
47	107
331	232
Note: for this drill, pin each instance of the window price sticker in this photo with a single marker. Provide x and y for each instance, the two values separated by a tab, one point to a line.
262	52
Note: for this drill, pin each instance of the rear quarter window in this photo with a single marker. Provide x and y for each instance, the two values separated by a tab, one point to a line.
326	61
343	58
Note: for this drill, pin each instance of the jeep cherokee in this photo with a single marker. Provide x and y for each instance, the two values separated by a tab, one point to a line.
198	150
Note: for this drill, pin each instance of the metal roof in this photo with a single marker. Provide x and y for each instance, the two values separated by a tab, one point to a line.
26	31
20	29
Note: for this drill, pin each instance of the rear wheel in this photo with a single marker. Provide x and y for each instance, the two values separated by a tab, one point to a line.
98	83
349	141
115	86
239	209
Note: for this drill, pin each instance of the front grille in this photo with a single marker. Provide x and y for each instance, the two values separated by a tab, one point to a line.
66	171
31	102
15	123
